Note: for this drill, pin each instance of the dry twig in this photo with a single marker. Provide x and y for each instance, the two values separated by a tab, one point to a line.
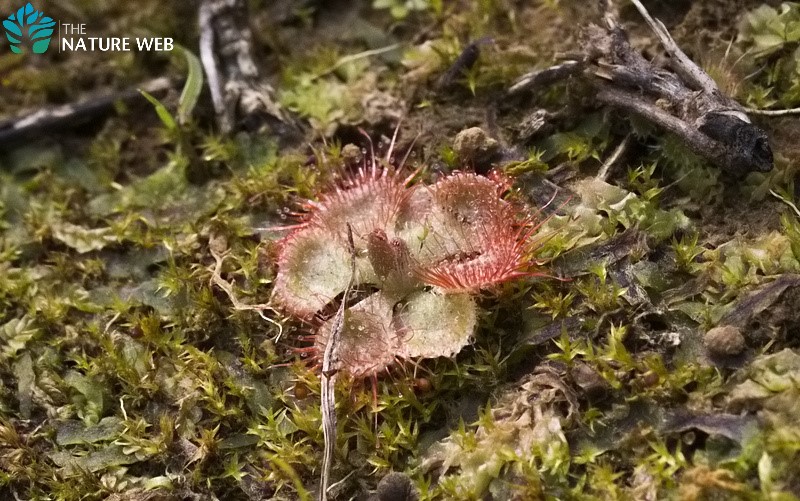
73	115
216	279
682	99
330	362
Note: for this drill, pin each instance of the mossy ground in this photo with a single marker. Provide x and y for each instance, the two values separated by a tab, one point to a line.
127	375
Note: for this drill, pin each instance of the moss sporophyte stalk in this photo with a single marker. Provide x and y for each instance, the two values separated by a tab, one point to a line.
422	253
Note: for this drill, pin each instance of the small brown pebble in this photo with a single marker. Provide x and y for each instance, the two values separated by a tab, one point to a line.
649	379
217	243
423	385
352	155
300	391
474	147
724	340
397	486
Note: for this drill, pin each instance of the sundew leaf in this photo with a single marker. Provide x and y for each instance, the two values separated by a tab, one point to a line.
378	330
313	271
369	340
435	324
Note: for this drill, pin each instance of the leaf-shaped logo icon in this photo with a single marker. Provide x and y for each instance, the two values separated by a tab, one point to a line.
29	28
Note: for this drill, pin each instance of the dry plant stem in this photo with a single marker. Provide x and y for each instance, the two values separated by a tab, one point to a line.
786	201
240	95
355	57
210	64
773	113
330	361
631	102
546	76
70	116
683	66
216	279
612	160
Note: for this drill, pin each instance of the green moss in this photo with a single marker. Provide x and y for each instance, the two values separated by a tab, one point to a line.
126	372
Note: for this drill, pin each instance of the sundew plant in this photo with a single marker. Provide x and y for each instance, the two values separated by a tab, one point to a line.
422	253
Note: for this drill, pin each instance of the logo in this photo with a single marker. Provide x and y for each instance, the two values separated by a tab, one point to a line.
29	28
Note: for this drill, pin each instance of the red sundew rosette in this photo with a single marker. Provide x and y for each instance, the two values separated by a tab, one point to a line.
458	236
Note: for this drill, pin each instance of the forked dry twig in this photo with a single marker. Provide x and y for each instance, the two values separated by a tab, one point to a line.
216	279
681	99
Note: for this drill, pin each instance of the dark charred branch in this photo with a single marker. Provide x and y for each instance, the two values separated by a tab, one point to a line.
545	77
69	117
681	99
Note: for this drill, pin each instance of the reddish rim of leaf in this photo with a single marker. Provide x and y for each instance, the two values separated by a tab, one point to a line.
497	234
312	270
369	199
